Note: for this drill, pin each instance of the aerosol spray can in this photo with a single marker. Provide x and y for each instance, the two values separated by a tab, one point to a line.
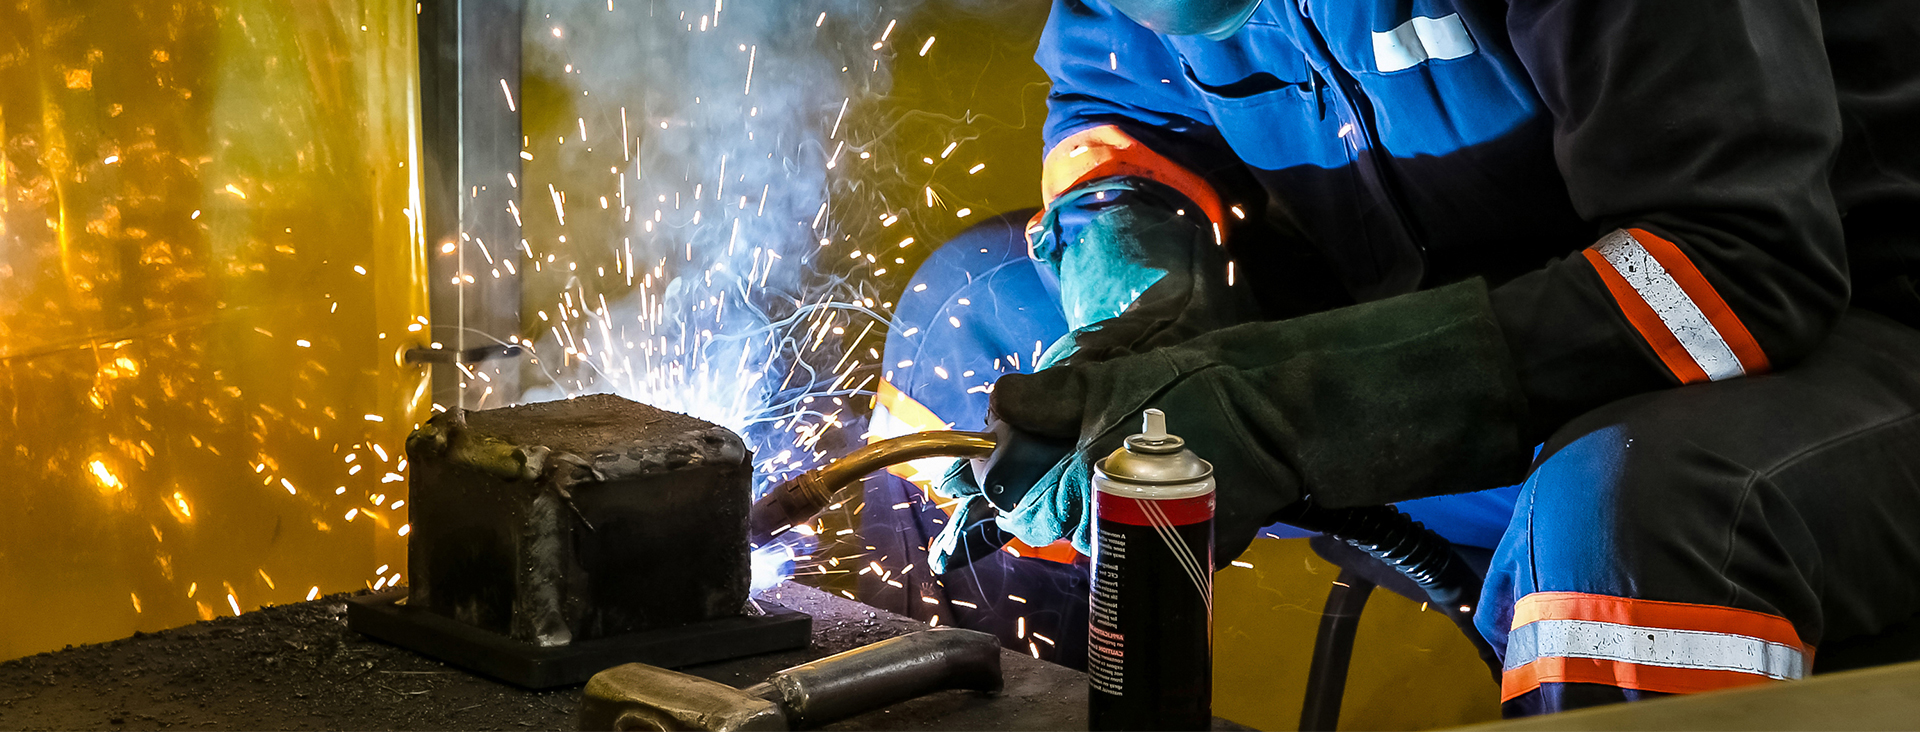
1150	632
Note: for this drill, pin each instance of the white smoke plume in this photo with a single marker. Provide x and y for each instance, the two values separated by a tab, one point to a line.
712	130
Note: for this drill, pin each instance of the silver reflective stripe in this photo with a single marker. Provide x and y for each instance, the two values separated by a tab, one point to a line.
1681	316
1696	649
1420	39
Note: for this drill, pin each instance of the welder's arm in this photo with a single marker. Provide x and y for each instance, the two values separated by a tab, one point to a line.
1699	134
1134	226
1136	271
1357	406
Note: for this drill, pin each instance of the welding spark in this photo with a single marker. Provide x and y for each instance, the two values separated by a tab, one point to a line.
722	306
755	51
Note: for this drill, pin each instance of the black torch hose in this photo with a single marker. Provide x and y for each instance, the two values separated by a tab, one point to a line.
1412	549
1390	536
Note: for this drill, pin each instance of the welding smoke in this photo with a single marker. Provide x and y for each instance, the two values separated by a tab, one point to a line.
689	151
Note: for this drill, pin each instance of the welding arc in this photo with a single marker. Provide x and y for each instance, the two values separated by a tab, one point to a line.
798	500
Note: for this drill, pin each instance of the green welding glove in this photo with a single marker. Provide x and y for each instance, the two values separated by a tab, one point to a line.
1138	267
1387	401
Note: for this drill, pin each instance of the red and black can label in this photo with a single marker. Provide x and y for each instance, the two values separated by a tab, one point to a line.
1150	631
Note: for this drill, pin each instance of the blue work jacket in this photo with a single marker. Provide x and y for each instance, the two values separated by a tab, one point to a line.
1656	188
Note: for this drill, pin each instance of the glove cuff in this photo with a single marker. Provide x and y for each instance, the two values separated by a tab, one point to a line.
1428	401
1051	230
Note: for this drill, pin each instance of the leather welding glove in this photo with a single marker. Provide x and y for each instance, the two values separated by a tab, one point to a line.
1139	267
973	530
1376	403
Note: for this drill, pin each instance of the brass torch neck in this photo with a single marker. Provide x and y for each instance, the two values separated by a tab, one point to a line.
798	500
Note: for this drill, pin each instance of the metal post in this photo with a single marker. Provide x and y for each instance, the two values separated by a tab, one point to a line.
471	143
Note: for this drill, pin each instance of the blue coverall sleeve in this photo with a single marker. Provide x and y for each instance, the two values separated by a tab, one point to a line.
1700	134
1103	68
1109	71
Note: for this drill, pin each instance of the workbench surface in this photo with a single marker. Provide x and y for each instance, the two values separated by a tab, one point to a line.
299	667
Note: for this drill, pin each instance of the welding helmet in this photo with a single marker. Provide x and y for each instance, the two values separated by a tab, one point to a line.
1216	19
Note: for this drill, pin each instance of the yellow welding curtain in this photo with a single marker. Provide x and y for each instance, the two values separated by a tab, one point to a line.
207	265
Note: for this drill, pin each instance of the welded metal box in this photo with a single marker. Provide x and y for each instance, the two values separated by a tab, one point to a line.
568	521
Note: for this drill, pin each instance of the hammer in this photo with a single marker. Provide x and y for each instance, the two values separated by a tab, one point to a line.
641	697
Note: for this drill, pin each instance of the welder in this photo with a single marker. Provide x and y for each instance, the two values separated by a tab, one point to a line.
1652	264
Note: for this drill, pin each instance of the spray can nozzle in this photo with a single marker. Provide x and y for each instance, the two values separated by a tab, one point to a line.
1153	438
1155	427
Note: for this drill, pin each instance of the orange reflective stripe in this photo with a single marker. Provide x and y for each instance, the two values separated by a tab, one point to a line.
1034	229
1649	645
1665	298
1707	299
1654	613
1663	679
1060	551
1647	322
1104	151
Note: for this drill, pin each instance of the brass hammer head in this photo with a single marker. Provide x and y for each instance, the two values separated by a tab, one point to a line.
641	697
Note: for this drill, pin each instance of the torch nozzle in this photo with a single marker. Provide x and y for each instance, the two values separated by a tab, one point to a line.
798	500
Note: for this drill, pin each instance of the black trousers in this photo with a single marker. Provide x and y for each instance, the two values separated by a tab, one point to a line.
1720	534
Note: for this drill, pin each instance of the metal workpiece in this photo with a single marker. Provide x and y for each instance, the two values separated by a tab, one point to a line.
800	499
572	520
446	437
552	540
641	697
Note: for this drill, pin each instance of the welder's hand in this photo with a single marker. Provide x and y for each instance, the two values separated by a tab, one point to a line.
970	534
1376	403
975	529
1135	273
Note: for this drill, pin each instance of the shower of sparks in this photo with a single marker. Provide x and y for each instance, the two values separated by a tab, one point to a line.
745	290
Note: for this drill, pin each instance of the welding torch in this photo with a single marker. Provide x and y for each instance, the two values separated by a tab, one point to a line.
797	501
1382	531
